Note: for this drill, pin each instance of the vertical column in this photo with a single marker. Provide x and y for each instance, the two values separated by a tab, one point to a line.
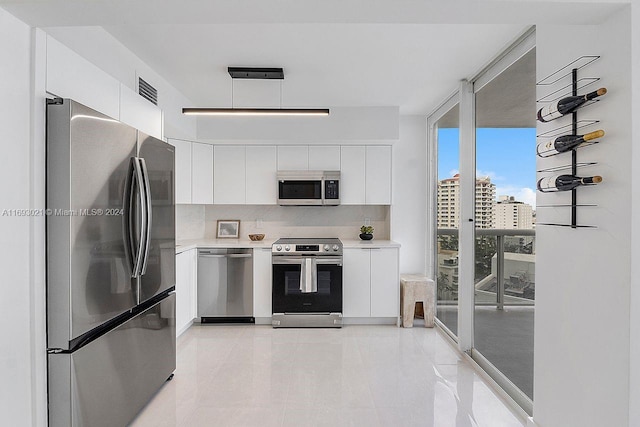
466	250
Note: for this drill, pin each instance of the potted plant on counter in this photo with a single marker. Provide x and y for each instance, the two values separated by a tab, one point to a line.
366	232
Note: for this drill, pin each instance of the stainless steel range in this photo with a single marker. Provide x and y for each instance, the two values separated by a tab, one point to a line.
307	283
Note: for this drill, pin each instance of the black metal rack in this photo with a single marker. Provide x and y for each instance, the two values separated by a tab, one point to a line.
570	69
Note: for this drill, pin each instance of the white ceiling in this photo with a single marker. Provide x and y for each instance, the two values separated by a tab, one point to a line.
405	53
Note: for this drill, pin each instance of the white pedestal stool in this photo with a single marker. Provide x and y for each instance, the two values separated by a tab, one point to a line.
416	288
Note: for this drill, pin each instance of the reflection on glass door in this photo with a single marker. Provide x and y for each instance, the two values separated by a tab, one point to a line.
504	222
448	218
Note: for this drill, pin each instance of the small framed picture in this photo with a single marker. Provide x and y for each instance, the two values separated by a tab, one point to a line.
228	228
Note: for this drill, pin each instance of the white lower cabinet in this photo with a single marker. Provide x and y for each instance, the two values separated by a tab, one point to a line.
262	284
185	289
371	282
385	283
356	283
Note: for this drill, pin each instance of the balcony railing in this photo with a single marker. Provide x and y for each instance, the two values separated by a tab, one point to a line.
491	288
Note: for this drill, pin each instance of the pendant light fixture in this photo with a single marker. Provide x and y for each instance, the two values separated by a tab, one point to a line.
256	74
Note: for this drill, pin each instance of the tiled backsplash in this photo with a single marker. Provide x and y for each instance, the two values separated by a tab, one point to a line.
199	221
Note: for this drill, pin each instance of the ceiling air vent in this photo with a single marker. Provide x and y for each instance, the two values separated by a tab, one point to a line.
147	91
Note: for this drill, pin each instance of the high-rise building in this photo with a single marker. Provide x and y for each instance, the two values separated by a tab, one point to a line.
485	202
511	214
449	202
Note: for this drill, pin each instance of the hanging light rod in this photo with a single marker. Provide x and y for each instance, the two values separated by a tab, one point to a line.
255	73
255	111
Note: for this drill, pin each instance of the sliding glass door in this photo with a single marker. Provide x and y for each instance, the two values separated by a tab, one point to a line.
505	201
482	148
448	217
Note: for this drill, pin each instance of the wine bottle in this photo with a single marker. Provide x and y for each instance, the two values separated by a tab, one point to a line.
566	105
565	143
565	182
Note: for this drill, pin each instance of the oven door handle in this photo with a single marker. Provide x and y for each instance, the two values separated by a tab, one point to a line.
331	261
288	261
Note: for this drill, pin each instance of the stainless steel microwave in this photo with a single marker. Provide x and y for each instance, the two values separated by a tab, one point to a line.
309	188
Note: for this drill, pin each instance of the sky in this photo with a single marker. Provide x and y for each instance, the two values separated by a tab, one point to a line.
506	155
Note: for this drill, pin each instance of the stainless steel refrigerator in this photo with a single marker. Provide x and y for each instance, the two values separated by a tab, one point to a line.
110	267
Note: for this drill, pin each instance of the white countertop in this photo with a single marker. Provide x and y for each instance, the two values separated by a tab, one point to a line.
185	245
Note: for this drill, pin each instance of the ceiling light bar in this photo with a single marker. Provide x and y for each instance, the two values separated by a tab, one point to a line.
256	111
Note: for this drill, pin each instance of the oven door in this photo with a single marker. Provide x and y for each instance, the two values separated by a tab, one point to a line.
307	285
300	192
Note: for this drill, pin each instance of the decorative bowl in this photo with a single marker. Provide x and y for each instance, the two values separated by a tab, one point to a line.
365	236
256	237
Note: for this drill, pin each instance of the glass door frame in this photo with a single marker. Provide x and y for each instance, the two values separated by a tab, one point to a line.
432	187
465	95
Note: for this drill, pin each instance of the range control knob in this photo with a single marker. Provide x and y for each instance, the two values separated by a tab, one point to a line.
326	248
278	248
335	248
287	248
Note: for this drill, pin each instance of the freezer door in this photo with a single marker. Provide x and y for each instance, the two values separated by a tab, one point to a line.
108	381
88	274
159	273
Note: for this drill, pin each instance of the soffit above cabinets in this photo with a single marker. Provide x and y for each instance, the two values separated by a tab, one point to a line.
335	53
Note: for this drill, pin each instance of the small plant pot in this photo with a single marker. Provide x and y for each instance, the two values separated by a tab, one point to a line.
364	236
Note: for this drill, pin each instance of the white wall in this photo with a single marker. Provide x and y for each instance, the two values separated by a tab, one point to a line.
103	50
634	376
408	211
582	351
16	350
353	124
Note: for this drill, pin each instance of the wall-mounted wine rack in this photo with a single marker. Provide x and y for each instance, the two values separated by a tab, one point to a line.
571	89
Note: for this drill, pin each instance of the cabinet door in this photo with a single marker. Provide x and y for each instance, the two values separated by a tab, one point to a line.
262	188
378	175
184	297
202	174
324	158
352	175
385	283
356	288
262	282
293	157
183	170
229	180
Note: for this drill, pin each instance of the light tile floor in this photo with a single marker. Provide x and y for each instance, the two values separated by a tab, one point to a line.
354	376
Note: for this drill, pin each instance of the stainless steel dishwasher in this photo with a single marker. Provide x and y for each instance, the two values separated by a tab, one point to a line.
225	286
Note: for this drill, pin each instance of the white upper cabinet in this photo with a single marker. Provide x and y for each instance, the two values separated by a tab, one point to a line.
183	170
261	164
202	174
293	157
352	175
71	76
140	113
324	157
229	175
378	175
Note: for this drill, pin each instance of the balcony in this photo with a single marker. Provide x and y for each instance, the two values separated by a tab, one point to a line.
504	297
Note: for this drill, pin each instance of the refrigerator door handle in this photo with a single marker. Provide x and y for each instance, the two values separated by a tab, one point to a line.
127	218
149	216
139	179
